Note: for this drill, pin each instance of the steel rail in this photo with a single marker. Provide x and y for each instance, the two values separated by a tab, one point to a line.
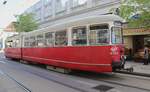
96	77
56	80
18	83
134	73
91	77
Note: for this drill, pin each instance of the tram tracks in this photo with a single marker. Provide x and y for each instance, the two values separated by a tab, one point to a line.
94	76
134	73
23	87
52	77
110	80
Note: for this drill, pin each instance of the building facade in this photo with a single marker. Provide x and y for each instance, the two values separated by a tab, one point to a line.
135	39
49	12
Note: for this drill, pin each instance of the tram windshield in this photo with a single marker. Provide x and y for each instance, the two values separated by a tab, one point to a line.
116	35
99	35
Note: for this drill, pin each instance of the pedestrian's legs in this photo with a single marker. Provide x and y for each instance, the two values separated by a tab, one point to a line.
145	61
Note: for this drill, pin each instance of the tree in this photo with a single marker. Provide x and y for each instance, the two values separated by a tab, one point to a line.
25	23
136	12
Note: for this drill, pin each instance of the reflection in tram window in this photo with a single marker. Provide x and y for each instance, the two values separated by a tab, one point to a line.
61	38
99	35
79	36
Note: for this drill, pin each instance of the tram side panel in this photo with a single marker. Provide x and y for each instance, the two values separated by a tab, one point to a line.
14	53
89	58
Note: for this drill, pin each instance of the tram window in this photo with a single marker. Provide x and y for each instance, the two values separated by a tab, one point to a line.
40	40
26	42
79	36
116	35
99	35
32	41
61	38
49	38
17	43
9	43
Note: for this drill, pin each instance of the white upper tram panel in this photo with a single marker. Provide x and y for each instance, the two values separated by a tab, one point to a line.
82	21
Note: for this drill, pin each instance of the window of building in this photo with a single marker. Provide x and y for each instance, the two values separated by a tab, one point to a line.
48	10
47	1
98	35
61	38
61	5
49	38
40	40
78	2
79	36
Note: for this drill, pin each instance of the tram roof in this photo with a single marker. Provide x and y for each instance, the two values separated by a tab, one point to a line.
80	21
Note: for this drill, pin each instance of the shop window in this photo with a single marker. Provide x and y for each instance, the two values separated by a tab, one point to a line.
99	35
61	38
79	36
49	38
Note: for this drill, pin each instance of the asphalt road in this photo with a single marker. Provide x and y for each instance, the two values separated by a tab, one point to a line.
17	77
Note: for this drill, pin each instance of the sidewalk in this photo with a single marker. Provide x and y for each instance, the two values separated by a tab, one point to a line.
138	67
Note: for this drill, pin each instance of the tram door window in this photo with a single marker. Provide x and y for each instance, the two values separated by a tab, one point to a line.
49	38
61	38
40	40
99	35
79	36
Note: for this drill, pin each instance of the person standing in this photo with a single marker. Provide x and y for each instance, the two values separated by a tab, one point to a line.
146	54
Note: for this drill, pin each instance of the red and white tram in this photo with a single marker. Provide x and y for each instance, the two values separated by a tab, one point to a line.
92	43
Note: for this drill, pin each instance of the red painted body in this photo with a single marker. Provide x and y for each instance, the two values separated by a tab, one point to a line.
13	53
88	58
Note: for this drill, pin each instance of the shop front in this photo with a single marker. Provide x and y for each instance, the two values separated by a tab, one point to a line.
134	40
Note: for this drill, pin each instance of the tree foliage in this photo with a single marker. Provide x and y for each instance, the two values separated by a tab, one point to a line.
25	23
136	12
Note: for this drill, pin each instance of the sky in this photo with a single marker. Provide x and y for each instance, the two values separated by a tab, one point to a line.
11	8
